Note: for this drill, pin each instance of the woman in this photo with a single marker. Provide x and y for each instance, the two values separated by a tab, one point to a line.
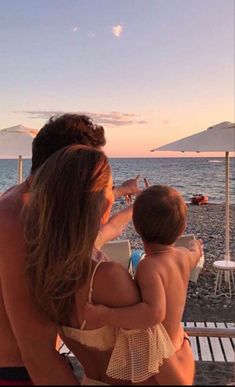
71	196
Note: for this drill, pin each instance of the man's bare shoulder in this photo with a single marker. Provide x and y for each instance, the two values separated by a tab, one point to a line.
11	230
8	191
11	204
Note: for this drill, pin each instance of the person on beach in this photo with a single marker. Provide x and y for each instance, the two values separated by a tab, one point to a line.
27	350
159	217
64	273
71	196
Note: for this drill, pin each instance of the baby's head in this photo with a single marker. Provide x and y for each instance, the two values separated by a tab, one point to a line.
159	215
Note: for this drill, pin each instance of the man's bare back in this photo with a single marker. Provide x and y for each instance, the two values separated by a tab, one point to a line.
27	338
10	207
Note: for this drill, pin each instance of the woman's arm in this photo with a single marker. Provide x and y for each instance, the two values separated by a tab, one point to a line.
114	227
141	314
112	287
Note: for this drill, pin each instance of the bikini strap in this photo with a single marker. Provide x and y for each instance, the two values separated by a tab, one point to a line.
91	289
92	280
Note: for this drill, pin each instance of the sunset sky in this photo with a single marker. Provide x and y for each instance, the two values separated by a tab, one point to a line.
151	71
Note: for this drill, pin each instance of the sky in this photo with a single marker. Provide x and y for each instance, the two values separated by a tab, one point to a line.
150	71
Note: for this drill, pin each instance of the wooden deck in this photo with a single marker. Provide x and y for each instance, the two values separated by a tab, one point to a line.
212	349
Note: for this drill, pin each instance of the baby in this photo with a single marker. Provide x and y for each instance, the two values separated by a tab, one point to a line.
159	217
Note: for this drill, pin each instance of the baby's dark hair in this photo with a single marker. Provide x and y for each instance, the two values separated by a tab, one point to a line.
63	130
159	215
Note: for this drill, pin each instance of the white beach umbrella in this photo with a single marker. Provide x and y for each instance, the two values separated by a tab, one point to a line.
217	138
16	142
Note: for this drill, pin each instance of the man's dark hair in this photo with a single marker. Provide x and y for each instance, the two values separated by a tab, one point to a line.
159	215
64	130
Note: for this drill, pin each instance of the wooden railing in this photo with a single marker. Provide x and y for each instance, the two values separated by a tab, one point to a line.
210	332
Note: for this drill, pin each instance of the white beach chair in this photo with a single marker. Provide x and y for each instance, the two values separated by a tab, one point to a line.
118	251
183	241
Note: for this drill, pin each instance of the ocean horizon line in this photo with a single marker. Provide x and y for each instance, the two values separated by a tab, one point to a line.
141	157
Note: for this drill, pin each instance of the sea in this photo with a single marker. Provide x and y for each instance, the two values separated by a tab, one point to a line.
189	176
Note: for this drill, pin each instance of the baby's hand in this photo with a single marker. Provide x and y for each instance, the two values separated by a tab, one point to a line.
95	315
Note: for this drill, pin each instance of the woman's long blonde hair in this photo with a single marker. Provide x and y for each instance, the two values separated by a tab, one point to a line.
62	221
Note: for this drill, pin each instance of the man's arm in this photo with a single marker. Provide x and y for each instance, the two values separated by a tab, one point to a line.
34	334
114	227
151	311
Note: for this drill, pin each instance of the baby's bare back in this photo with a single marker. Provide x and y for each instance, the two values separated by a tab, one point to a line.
163	279
175	274
174	269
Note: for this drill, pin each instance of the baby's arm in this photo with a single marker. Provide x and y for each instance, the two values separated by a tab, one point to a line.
151	311
196	250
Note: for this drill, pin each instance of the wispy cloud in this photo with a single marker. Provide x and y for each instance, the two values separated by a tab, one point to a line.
91	35
75	29
112	118
117	30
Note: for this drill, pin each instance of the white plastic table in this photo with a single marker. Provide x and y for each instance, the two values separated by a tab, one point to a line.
227	268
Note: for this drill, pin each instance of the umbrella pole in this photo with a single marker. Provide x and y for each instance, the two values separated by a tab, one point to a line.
20	169
227	252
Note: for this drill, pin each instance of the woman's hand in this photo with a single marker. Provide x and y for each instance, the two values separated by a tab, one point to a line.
137	189
127	188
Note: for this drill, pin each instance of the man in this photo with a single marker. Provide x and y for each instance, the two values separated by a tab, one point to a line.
27	338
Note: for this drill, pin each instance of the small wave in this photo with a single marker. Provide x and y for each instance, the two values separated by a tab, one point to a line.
216	161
